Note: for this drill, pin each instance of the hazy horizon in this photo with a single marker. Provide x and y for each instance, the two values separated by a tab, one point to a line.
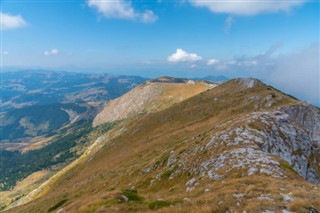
277	43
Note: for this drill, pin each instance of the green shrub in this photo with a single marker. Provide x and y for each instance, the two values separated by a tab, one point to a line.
132	195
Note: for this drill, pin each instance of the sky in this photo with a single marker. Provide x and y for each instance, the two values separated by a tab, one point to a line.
276	41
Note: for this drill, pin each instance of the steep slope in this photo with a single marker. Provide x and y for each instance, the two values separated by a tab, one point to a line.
241	146
154	95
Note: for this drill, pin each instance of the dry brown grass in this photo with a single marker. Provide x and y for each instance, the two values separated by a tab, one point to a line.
24	187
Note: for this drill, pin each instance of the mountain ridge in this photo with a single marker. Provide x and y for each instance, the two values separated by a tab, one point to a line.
215	151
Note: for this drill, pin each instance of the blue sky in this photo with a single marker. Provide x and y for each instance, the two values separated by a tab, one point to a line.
180	38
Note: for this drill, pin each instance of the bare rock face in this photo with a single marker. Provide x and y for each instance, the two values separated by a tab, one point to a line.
295	137
308	117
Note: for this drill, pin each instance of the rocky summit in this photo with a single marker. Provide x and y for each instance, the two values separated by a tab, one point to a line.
187	146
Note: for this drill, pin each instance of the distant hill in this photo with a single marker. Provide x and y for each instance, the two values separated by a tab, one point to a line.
212	78
154	95
37	120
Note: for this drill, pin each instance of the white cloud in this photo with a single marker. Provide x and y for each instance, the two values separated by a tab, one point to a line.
9	22
182	56
228	24
114	9
121	9
148	17
244	7
212	62
51	52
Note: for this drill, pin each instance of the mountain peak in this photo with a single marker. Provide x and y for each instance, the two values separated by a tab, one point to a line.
155	95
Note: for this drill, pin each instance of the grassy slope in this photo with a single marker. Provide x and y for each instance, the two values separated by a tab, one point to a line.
92	185
150	97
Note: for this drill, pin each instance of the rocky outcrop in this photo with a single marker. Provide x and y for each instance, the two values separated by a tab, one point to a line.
248	83
268	142
294	136
290	132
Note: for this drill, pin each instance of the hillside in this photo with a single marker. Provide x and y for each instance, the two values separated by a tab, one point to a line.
241	146
152	96
38	120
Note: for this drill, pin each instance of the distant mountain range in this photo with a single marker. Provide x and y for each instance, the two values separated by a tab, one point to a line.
30	87
214	79
40	102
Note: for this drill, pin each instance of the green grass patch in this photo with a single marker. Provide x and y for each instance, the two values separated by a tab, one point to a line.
2	207
168	173
288	166
57	205
132	195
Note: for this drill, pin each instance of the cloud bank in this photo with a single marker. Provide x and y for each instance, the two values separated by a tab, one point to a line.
242	7
299	74
122	9
9	22
296	73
